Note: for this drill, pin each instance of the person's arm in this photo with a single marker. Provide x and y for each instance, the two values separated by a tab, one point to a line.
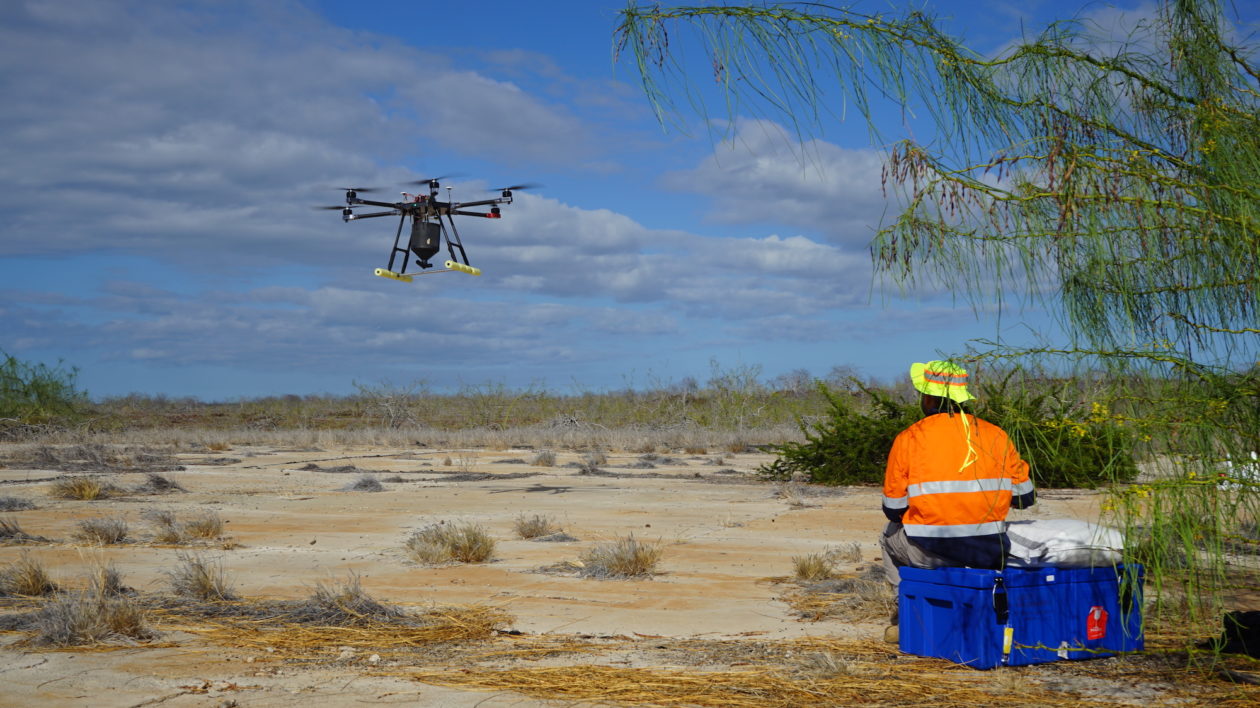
896	479
1023	495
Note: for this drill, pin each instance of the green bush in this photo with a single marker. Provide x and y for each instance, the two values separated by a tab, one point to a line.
37	393
1066	444
849	446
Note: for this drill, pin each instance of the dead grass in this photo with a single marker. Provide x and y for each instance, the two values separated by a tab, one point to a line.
105	581
81	489
15	504
168	529
200	578
157	484
365	483
11	532
627	557
343	604
863	596
87	618
446	543
528	527
813	567
25	577
544	458
103	531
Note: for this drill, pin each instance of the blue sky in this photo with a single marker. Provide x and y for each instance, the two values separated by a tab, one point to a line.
160	160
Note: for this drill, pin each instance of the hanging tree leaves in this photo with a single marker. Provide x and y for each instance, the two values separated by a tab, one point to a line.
1113	180
1128	174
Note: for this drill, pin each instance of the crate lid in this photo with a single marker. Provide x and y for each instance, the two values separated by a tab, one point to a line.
1012	577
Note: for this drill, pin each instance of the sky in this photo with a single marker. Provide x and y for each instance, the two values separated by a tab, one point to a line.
159	163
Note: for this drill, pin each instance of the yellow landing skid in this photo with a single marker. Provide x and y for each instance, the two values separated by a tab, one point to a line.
451	267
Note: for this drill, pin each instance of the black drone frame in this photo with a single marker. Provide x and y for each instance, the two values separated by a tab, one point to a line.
432	221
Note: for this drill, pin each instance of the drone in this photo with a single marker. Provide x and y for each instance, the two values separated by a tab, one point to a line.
432	221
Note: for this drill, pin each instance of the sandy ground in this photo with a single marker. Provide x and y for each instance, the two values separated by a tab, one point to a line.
724	535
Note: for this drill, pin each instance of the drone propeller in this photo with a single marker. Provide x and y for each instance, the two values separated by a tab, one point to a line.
431	180
527	185
359	189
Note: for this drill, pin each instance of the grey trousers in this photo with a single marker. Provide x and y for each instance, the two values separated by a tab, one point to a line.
899	551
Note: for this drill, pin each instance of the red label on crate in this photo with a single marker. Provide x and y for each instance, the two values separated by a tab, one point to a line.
1096	623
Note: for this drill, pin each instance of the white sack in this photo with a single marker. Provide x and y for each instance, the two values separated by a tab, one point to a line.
1063	543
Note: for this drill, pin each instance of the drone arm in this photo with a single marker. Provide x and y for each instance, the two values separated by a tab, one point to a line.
356	217
490	215
391	205
483	202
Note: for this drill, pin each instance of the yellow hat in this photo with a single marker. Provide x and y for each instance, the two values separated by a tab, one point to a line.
943	379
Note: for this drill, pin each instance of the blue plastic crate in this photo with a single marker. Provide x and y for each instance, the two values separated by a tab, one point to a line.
1052	614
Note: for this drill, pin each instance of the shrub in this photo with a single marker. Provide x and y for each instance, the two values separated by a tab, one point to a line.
102	531
544	458
199	578
1065	445
444	543
626	557
848	446
37	393
534	526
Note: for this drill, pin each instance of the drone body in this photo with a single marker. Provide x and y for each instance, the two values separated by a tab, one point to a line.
432	222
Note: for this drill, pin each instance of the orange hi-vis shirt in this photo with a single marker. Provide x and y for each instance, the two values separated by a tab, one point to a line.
954	476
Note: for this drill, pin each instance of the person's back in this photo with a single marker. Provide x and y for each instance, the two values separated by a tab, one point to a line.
950	479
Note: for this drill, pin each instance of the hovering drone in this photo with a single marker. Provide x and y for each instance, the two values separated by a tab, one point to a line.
431	222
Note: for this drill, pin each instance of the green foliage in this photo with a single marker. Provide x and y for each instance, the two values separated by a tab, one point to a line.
37	393
1064	445
850	445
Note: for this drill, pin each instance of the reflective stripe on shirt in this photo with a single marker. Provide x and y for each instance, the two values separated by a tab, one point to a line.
955	531
897	502
960	486
1022	488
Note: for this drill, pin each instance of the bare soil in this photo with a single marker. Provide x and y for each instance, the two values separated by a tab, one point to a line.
293	519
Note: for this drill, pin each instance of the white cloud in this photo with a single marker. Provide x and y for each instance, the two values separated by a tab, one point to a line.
764	174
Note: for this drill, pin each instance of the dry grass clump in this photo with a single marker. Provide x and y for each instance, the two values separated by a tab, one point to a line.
105	581
157	484
627	557
856	597
535	526
544	458
200	578
446	543
206	525
102	531
813	567
343	604
11	532
365	483
25	577
89	618
168	529
15	504
81	489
